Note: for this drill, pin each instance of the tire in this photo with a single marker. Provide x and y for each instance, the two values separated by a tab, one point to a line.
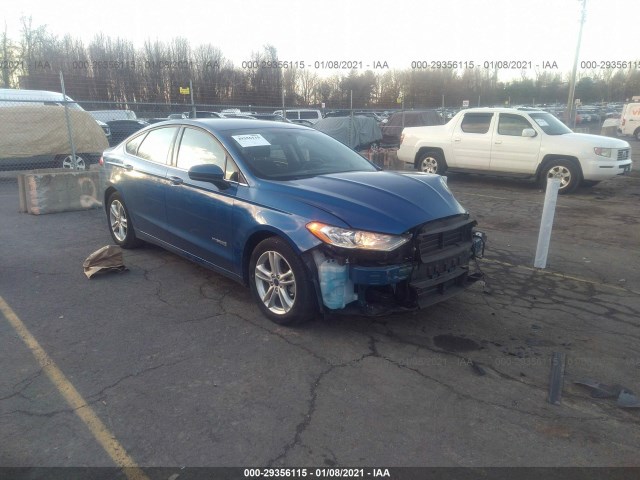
431	162
569	175
274	264
637	134
119	221
66	161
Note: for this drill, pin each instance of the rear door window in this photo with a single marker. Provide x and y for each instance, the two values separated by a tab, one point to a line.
476	122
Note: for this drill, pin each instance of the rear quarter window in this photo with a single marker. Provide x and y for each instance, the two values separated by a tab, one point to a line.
156	145
132	145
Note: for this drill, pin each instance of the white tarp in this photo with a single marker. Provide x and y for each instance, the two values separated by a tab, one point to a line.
27	131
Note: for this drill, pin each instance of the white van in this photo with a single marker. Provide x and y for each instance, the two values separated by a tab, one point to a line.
630	120
12	97
308	114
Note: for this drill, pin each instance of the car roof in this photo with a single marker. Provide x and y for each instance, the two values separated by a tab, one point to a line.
499	110
224	124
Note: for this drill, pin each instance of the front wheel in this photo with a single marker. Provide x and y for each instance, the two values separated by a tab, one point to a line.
280	283
568	173
431	162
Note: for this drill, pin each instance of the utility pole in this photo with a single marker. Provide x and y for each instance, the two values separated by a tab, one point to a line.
571	108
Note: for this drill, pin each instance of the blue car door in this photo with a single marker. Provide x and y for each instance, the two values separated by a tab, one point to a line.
143	180
200	215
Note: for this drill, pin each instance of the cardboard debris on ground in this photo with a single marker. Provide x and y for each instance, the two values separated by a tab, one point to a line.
106	259
625	397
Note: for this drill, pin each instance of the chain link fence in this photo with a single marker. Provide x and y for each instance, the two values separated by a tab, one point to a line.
45	129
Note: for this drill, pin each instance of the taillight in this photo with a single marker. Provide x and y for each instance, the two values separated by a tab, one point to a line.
624	120
101	161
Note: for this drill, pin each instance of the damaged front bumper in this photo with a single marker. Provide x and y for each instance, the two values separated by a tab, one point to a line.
431	269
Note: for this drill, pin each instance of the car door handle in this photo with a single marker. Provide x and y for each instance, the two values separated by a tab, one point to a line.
498	142
127	167
175	180
457	139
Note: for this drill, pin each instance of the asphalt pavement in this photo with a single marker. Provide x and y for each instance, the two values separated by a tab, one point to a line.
180	368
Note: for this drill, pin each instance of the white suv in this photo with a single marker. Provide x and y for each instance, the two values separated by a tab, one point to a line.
506	141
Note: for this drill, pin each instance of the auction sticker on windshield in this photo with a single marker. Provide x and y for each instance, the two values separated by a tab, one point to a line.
541	122
251	140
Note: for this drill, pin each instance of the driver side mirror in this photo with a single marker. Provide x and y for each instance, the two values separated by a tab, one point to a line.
529	132
209	172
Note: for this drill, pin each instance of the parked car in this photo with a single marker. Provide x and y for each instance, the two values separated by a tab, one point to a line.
337	113
507	141
109	115
307	223
308	114
204	114
358	133
392	130
272	117
121	129
36	136
10	97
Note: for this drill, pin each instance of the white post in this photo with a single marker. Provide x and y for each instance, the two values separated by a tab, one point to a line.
546	222
74	159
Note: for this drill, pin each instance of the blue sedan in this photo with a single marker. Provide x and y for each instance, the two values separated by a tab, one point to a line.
309	225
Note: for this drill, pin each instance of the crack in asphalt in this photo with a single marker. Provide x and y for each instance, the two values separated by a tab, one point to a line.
50	414
587	291
302	426
27	383
100	394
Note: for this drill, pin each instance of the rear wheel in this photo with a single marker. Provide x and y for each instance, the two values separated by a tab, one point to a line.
120	225
637	134
280	283
565	170
66	161
431	162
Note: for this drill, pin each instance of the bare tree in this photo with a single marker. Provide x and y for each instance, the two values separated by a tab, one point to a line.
10	64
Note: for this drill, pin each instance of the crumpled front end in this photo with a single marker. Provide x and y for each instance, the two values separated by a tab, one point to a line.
433	266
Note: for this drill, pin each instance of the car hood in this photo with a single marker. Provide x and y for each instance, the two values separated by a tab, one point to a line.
382	201
597	140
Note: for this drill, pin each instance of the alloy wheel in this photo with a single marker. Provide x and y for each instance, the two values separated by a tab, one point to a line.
275	282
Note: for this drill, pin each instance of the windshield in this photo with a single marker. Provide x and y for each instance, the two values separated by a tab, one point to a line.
549	124
286	154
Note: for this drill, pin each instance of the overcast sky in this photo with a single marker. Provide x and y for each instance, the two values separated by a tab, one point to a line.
394	31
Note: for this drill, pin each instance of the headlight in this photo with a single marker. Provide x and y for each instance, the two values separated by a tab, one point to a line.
345	238
603	152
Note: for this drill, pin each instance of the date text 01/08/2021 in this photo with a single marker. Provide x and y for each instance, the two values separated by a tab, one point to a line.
317	472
